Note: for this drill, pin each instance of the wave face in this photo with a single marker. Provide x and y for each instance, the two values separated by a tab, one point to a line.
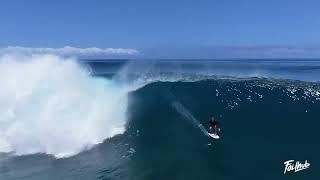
263	121
53	105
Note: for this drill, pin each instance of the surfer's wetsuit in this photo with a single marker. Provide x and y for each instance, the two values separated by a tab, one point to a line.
213	125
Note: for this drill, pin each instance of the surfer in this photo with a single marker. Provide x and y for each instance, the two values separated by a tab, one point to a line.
213	126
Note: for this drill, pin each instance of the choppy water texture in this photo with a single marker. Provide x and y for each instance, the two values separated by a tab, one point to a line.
269	113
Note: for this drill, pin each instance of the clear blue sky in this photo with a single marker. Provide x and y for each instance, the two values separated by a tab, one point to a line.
160	26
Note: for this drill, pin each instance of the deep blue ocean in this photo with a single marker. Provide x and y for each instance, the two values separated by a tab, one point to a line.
269	111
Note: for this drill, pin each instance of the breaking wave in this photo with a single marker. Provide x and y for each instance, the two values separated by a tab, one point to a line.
53	105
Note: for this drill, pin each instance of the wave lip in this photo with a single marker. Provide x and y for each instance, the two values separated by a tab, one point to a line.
52	105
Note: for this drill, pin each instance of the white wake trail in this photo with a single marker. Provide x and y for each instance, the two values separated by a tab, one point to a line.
185	113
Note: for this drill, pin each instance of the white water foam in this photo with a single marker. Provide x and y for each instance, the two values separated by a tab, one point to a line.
52	105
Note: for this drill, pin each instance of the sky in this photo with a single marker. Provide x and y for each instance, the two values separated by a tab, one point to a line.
165	28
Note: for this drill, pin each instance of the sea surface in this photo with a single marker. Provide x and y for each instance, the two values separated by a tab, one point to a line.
269	112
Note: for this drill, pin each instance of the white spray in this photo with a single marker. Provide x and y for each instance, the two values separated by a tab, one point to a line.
52	105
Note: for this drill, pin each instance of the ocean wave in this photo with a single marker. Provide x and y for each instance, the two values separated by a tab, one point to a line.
53	105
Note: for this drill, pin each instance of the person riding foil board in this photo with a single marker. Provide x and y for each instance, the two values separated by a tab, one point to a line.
213	126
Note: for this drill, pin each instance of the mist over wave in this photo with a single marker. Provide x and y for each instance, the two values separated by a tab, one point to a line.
197	69
53	105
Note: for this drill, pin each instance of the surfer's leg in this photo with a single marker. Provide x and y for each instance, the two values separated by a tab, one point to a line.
216	130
